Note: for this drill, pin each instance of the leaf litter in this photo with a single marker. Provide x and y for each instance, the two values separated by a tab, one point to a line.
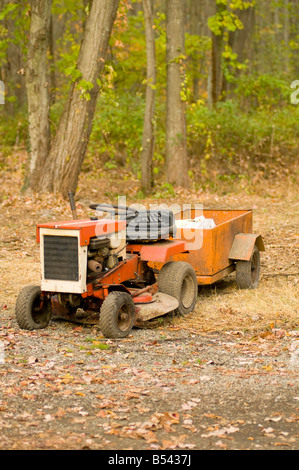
224	377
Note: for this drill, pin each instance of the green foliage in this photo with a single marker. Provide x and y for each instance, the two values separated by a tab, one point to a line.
164	192
219	137
113	133
85	87
13	130
225	19
262	91
228	139
68	45
14	24
17	14
255	121
118	124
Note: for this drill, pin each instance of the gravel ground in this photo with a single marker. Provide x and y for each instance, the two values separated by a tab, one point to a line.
164	388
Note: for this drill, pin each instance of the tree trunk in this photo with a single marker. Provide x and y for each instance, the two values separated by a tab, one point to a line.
148	141
195	29
176	141
63	165
216	68
216	61
240	42
11	63
286	34
52	74
294	31
37	88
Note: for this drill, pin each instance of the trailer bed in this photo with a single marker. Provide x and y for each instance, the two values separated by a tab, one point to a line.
208	250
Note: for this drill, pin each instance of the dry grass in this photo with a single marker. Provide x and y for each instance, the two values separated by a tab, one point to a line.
16	272
224	307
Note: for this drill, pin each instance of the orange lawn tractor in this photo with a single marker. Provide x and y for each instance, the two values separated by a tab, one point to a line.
136	265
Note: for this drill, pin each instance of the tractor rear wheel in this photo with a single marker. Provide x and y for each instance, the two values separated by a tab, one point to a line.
178	279
117	315
33	312
248	272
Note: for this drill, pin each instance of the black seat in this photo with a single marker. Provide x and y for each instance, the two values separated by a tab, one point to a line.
142	225
150	225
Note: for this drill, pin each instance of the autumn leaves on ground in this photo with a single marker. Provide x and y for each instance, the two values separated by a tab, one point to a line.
224	377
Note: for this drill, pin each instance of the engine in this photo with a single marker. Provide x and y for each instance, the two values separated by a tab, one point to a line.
105	254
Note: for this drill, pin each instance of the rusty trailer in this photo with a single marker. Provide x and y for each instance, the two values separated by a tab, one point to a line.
213	253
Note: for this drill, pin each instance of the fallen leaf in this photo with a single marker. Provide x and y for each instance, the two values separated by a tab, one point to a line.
32	360
275	420
221	432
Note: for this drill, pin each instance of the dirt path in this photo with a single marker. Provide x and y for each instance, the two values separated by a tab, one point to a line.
158	389
225	377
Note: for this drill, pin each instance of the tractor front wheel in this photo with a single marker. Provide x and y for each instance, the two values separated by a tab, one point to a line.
117	315
33	311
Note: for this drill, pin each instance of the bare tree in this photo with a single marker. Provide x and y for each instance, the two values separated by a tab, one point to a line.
176	142
62	166
195	13
216	59
37	88
286	33
148	141
11	63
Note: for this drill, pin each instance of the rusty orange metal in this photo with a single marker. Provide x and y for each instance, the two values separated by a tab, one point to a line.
124	271
88	228
143	298
208	280
159	251
243	245
212	261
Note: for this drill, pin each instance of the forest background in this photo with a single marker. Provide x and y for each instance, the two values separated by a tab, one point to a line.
239	87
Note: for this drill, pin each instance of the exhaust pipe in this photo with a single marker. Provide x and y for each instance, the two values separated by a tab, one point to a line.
94	266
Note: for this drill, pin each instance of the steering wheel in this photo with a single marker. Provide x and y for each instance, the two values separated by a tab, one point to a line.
115	209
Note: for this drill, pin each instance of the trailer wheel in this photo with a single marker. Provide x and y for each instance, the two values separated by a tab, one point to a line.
248	272
178	279
117	315
33	312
